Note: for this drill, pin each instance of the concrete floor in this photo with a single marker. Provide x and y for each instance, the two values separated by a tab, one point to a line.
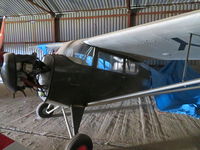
131	125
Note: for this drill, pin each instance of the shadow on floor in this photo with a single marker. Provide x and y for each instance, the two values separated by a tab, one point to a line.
101	110
186	143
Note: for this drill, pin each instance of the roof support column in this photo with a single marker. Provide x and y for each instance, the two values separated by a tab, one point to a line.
55	29
128	3
134	17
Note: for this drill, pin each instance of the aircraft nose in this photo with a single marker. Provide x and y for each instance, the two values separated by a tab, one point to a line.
9	73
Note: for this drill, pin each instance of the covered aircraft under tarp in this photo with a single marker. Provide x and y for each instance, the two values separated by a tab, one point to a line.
186	102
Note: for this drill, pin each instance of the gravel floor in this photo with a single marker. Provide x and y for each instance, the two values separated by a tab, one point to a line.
132	125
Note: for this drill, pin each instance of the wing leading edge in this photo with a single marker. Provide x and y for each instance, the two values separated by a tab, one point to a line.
165	39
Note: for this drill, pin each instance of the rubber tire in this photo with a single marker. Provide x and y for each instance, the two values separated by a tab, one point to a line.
78	141
41	110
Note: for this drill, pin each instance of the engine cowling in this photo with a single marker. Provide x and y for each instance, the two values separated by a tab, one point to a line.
20	71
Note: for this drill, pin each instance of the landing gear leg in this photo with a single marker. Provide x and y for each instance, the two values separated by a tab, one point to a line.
77	141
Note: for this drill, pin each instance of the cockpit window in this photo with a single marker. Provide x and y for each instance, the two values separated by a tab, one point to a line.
131	67
109	62
86	56
81	53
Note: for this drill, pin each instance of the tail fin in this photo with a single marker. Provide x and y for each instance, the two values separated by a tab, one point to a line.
2	36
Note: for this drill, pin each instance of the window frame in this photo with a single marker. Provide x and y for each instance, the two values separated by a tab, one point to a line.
83	61
136	67
125	58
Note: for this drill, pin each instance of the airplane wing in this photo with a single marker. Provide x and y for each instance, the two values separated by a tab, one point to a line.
165	39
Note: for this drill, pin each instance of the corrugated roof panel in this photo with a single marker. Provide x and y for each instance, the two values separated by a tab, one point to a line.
69	5
19	7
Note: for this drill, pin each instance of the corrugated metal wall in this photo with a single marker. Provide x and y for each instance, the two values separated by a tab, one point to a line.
29	29
23	31
23	49
87	24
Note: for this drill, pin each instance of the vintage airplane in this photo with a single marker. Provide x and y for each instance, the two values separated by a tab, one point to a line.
104	69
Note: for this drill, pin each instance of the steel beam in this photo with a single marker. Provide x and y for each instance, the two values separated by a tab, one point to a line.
35	4
171	4
51	11
165	12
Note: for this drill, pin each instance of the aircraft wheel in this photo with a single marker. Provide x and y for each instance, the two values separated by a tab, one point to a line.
80	142
41	110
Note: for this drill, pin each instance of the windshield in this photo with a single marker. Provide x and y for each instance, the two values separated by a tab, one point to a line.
79	52
86	55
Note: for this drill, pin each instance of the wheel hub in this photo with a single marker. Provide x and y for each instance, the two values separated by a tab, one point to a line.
83	147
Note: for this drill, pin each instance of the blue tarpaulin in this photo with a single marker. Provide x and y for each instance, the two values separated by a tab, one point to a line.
43	47
186	102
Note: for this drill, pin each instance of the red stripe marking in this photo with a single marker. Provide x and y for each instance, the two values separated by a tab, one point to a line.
5	141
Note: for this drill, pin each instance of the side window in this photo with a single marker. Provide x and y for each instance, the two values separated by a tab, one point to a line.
110	62
131	67
85	56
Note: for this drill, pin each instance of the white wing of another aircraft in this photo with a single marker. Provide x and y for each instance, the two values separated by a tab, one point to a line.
165	39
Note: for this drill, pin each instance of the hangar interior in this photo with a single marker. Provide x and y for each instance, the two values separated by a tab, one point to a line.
36	22
134	124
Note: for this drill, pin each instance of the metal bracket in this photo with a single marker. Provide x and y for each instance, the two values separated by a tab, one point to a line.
52	110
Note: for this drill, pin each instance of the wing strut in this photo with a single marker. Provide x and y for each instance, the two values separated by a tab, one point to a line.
187	55
178	87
